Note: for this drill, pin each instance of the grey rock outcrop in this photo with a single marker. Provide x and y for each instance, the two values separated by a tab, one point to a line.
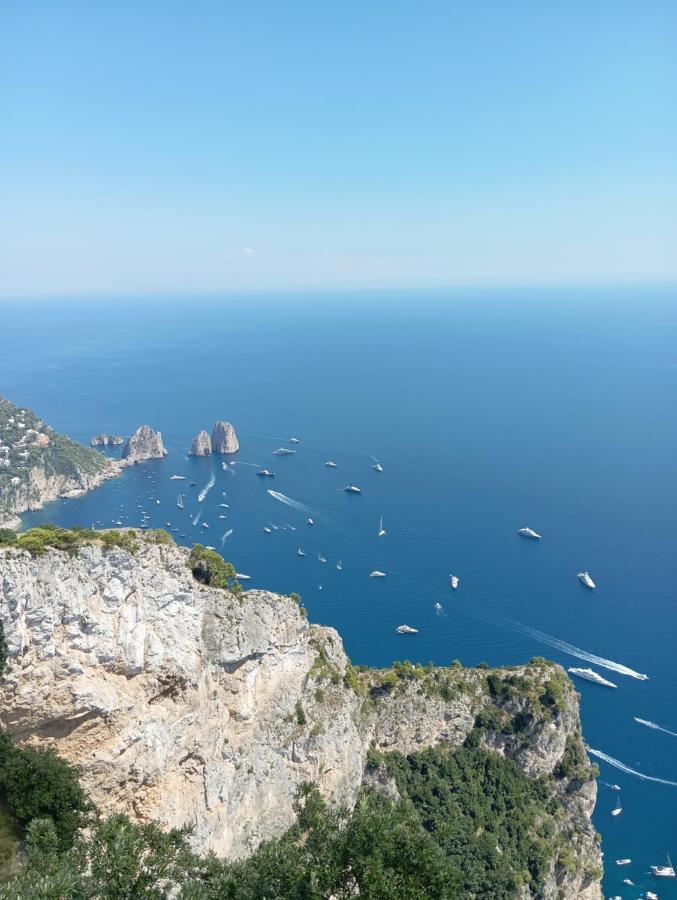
180	702
224	439
145	443
107	440
202	445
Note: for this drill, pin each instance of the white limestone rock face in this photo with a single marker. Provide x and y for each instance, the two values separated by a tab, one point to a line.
145	443
202	445
181	702
224	439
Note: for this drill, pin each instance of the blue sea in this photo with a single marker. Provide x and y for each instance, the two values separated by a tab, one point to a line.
488	410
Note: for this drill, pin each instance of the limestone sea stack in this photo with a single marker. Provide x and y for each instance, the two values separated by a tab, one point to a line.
224	439
107	440
202	445
145	443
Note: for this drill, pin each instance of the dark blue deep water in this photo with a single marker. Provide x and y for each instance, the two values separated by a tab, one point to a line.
488	410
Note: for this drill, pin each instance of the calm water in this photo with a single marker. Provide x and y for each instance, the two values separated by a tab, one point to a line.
488	411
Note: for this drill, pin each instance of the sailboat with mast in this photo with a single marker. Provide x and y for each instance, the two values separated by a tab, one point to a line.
381	529
179	501
666	871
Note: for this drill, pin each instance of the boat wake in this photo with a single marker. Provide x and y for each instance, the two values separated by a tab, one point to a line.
226	535
197	518
295	504
617	764
566	647
654	726
206	489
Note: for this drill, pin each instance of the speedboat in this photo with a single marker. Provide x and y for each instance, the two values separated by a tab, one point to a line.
339	566
321	558
266	473
177	477
623	862
586	580
666	871
224	505
406	629
300	552
283	451
330	464
294	440
453	580
618	809
377	467
310	521
222	516
627	881
352	489
591	675
381	529
529	533
377	574
267	529
243	577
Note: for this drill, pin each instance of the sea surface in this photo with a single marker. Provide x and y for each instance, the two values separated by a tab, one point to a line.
488	410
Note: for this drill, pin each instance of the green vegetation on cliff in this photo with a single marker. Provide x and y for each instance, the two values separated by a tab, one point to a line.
28	445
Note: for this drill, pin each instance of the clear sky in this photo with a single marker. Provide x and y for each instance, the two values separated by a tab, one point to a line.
155	145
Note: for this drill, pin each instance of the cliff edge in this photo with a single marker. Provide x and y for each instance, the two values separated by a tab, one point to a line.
191	704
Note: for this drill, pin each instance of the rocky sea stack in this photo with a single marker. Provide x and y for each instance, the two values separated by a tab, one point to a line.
107	440
145	443
202	445
189	702
224	439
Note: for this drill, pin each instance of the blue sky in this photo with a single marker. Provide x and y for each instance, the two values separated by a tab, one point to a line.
213	146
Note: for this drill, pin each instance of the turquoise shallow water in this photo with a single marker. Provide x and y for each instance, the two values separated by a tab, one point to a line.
488	410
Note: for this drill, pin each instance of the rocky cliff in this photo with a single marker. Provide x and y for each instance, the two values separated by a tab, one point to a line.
202	445
145	443
189	704
107	440
37	464
224	439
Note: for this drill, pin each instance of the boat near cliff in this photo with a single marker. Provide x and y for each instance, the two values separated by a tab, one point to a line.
591	675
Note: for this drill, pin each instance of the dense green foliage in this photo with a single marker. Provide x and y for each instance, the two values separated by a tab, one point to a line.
209	567
37	784
38	540
484	812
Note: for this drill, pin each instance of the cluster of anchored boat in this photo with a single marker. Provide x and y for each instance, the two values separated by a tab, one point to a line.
666	871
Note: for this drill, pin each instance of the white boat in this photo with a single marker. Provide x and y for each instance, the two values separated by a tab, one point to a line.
205	525
623	862
179	501
222	516
267	529
439	607
666	871
381	529
591	675
330	464
266	473
243	577
618	809
453	580
651	896
627	881
294	440
310	521
339	566
224	505
321	558
586	580
283	451
377	574
406	629
529	533
352	489
177	477
301	552
377	467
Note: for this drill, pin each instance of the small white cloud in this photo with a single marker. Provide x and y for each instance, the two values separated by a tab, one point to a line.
248	252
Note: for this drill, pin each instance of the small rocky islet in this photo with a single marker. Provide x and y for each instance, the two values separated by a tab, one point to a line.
223	440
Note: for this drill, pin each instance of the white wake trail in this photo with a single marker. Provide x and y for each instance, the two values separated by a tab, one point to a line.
206	489
655	726
566	647
617	764
226	535
197	518
296	504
